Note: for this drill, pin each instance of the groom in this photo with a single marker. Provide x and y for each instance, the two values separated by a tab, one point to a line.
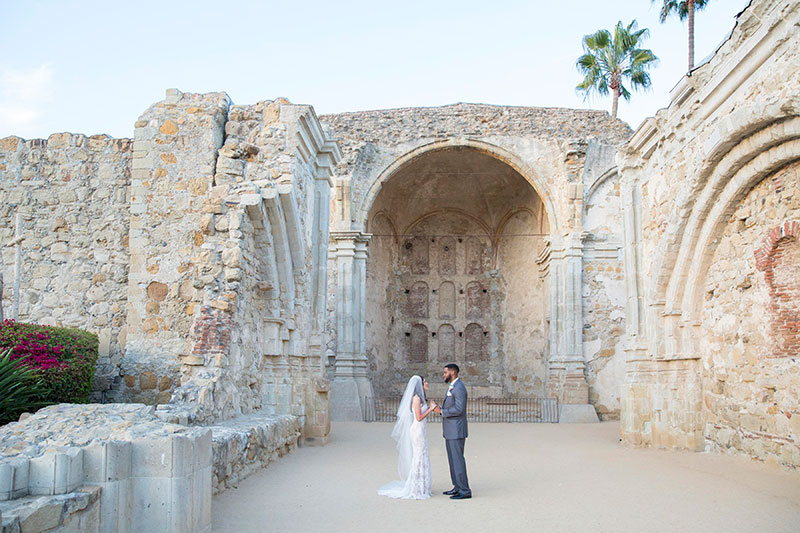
454	427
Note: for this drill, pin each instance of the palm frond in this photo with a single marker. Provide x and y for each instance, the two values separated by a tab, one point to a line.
615	55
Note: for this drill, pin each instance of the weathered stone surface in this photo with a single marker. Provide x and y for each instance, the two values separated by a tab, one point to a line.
76	425
130	456
76	511
74	225
470	197
243	445
712	266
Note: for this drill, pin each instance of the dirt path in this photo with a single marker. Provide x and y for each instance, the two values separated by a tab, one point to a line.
524	477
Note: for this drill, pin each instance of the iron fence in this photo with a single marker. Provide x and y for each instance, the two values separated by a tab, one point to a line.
482	409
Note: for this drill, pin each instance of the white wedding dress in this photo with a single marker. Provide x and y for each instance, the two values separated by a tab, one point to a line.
414	465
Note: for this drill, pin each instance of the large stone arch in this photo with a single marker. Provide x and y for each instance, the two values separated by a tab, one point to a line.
554	161
497	152
736	142
723	181
490	257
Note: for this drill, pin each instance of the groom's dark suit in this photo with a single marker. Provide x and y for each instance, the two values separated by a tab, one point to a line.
454	428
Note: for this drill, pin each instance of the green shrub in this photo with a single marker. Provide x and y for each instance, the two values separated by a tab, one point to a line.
65	358
20	387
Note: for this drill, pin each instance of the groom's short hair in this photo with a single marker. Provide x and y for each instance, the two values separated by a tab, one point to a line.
452	366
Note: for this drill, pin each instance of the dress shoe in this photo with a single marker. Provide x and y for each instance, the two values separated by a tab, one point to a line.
460	496
450	492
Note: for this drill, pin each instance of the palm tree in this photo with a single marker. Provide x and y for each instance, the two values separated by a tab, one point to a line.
685	10
609	61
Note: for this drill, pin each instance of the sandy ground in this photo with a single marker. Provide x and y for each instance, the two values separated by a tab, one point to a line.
524	477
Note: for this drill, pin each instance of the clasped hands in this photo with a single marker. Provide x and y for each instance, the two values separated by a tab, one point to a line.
433	406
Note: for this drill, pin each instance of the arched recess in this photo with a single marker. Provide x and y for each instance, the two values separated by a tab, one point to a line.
418	344
596	184
501	154
470	230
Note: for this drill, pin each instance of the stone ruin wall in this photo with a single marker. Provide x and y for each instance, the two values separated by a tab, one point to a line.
751	384
193	250
71	193
715	184
164	245
552	140
554	143
603	282
175	149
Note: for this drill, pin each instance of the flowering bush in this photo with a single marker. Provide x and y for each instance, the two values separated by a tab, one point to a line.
64	357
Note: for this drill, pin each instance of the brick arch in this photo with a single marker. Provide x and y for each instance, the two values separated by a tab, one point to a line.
764	254
778	258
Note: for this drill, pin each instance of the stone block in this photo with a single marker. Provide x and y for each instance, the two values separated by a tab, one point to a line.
180	514
150	503
182	455
142	163
147	380
202	451
172	96
116	506
151	457
107	461
56	472
201	493
14	473
43	518
577	414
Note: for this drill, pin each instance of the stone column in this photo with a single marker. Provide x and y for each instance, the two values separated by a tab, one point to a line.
351	383
317	420
566	378
636	390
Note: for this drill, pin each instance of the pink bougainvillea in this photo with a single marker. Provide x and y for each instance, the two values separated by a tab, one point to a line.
65	356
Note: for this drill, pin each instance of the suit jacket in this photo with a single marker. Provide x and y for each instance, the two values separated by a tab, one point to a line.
454	413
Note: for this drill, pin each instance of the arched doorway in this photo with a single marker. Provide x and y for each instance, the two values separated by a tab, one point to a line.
456	273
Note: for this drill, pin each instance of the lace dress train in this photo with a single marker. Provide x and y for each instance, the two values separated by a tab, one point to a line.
418	484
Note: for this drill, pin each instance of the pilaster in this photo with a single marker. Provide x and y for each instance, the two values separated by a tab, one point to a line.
566	379
351	384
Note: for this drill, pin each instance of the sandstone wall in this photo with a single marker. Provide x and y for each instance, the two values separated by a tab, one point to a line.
523	290
700	198
175	150
224	296
604	297
71	193
193	251
751	383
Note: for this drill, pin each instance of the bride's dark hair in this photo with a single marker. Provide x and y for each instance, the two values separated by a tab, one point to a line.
421	390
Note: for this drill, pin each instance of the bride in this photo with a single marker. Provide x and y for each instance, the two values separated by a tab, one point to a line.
413	465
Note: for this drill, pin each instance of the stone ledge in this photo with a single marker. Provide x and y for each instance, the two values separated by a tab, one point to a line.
248	443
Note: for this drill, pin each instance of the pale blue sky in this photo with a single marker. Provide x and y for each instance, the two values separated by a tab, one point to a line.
95	66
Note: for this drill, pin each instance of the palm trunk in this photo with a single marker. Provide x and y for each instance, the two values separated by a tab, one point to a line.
614	104
690	4
615	85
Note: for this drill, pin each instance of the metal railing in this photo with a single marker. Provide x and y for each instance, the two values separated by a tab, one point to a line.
482	409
